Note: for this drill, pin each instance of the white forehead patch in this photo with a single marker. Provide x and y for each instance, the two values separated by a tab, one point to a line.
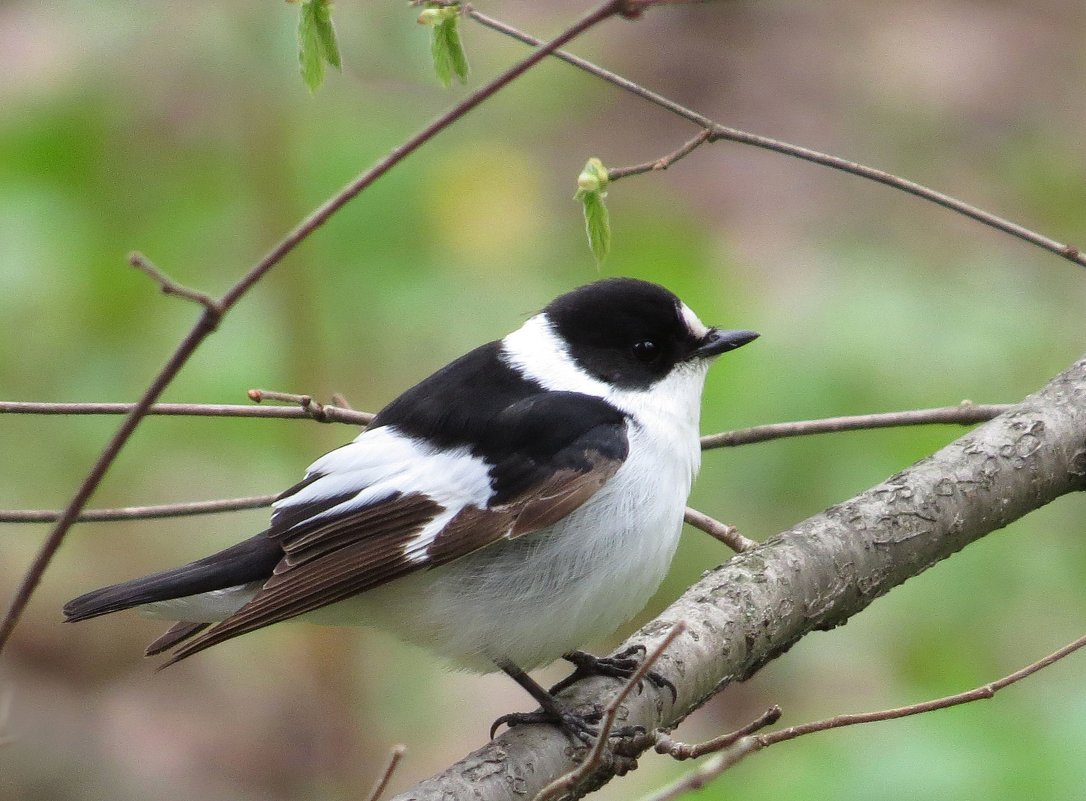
696	326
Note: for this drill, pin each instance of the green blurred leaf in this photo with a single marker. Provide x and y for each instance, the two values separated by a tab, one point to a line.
598	224
591	184
445	44
316	41
326	34
455	47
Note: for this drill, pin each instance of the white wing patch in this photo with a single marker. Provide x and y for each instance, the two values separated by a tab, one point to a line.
383	462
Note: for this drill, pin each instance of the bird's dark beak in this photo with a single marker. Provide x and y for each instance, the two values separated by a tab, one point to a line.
716	342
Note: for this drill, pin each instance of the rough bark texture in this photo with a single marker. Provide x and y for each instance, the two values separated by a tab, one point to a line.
812	577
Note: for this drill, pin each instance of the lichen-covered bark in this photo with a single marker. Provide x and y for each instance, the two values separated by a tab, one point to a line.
813	576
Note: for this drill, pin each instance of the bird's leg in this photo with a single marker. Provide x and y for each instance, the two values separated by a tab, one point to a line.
621	666
579	725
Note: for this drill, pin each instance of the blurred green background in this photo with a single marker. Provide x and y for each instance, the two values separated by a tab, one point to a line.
184	130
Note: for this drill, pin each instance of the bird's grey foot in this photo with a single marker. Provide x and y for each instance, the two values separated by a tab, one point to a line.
582	725
620	666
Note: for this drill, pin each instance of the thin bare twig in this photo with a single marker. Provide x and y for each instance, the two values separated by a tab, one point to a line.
330	413
662	163
722	532
712	768
323	413
719	132
595	756
171	287
213	313
966	413
675	749
705	773
140	512
394	757
976	694
736	750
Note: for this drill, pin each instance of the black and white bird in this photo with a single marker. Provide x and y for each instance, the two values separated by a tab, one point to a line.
518	503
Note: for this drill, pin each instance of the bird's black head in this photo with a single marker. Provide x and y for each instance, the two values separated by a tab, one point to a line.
633	333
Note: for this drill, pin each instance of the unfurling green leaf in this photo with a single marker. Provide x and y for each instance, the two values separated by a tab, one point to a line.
445	44
591	184
326	33
593	177
316	41
598	224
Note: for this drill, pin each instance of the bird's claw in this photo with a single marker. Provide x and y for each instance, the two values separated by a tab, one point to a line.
581	725
620	666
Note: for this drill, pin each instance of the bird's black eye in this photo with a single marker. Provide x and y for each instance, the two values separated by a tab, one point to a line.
646	351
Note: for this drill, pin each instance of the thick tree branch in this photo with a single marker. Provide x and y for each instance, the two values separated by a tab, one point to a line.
813	577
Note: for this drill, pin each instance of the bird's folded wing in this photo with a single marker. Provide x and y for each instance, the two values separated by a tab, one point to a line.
354	524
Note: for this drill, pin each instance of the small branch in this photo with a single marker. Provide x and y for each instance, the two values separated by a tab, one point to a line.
738	748
718	132
705	773
738	742
382	781
569	781
336	413
976	694
722	532
681	751
331	413
614	174
966	413
1066	251
139	512
171	287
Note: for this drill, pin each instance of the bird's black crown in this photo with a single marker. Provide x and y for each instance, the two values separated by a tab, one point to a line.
627	332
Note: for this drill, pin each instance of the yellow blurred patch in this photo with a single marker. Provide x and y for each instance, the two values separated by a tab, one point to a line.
485	205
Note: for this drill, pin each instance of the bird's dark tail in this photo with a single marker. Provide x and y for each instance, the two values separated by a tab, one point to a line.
250	560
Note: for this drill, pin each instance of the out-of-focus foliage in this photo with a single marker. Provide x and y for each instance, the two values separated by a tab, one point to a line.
446	46
185	133
591	190
316	41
